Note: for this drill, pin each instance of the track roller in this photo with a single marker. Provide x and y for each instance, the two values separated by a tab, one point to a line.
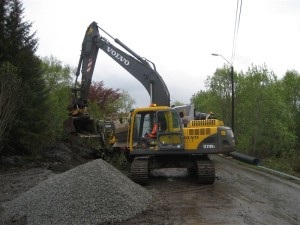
205	171
140	171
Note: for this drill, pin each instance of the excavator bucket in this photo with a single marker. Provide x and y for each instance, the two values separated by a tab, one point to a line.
82	126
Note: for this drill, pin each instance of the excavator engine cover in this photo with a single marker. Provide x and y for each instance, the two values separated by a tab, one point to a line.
83	126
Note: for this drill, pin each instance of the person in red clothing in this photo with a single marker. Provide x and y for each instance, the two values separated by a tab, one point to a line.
154	131
158	125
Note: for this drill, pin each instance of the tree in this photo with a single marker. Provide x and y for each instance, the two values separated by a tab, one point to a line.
263	119
217	97
124	104
102	100
205	101
291	93
18	46
58	83
9	97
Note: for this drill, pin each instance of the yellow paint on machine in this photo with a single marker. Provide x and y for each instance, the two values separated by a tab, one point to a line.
197	131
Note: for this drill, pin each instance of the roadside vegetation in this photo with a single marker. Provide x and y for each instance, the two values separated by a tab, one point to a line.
267	113
35	94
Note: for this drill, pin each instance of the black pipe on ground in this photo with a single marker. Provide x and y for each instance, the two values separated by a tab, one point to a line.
245	158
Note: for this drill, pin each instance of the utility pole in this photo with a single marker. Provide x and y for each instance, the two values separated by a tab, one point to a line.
232	97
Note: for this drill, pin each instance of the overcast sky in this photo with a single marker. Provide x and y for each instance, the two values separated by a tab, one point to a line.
178	36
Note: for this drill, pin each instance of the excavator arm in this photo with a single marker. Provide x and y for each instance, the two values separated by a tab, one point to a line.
137	66
142	69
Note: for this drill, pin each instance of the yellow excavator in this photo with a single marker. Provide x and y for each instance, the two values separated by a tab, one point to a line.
158	135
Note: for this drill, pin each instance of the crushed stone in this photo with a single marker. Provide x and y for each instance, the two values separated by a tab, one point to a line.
92	193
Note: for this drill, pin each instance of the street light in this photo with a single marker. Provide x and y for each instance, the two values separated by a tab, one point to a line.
232	89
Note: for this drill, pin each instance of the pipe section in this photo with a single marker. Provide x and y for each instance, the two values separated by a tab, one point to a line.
245	158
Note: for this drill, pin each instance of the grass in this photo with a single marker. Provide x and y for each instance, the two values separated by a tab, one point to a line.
289	165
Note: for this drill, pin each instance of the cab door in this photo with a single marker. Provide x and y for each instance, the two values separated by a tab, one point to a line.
170	134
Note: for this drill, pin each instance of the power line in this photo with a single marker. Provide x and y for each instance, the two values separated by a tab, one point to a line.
236	28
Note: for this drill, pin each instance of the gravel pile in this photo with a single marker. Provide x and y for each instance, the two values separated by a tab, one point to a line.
91	193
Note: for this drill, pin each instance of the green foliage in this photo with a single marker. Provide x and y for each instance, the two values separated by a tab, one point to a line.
120	162
56	75
10	97
263	121
17	46
58	81
103	102
265	109
95	111
291	93
280	164
205	101
217	97
123	105
288	163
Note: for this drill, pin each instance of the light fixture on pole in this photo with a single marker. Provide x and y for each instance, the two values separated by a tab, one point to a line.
232	89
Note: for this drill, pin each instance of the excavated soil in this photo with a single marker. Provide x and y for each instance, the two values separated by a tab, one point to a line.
242	194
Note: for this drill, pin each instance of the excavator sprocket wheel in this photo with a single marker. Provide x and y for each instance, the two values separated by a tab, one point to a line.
205	171
140	171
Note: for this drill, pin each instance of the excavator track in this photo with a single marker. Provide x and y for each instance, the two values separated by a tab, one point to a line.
205	171
139	170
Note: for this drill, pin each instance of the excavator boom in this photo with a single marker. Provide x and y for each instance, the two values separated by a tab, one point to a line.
143	70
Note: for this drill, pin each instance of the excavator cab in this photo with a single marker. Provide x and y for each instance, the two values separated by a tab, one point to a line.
156	128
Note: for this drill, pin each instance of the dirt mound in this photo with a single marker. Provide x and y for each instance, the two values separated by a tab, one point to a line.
91	193
63	156
57	157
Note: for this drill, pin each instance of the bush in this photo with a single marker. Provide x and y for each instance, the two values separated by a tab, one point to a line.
288	163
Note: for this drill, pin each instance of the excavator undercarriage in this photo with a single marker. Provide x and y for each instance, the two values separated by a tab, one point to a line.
200	167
